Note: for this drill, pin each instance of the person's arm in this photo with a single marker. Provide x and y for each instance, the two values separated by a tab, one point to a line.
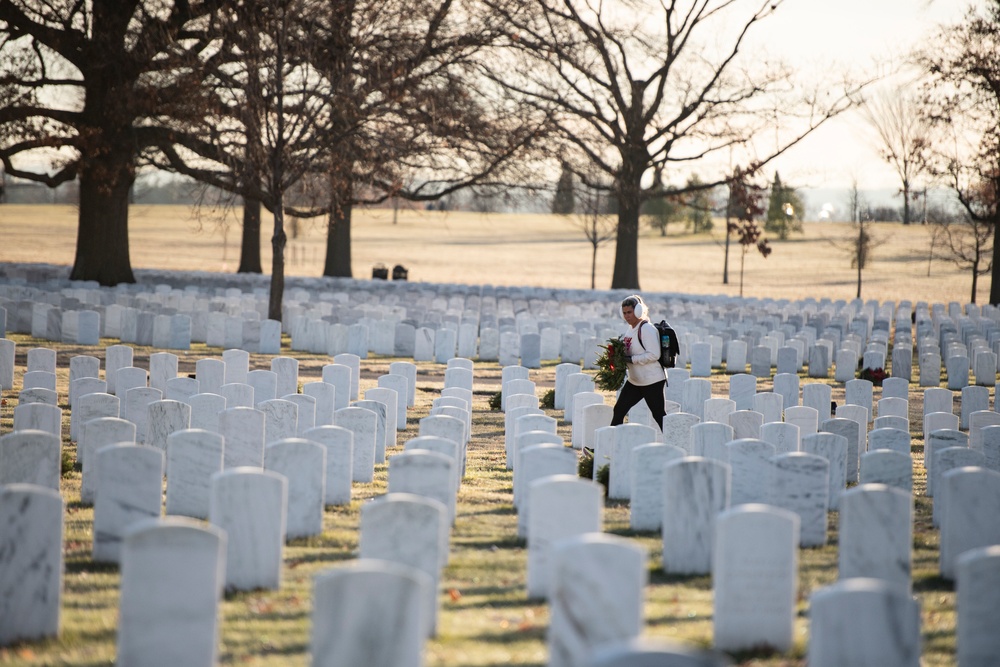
650	343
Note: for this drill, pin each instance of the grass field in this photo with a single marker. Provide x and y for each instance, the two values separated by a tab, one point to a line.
507	249
486	618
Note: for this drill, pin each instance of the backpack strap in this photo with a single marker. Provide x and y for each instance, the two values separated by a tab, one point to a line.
639	335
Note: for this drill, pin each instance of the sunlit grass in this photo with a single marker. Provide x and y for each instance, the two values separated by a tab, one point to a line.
486	617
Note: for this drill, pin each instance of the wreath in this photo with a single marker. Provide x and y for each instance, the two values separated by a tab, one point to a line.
611	366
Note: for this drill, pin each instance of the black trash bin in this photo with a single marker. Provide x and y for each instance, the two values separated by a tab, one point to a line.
380	272
399	272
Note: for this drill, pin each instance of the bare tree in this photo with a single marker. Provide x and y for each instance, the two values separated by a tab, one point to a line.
904	139
743	201
85	87
963	97
968	244
746	202
597	224
261	134
411	118
637	93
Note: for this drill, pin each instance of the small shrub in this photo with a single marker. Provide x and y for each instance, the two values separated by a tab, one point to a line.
495	401
67	463
585	466
548	401
585	469
604	476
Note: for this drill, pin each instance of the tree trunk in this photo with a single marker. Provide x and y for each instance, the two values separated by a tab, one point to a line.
593	268
102	251
975	281
250	246
725	261
906	203
743	260
859	281
338	235
278	240
995	271
626	272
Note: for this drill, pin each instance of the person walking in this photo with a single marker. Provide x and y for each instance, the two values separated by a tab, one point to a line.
644	376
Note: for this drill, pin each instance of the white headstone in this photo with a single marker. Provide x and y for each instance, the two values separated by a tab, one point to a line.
250	505
31	456
536	462
303	463
425	473
172	574
363	423
193	456
646	504
339	445
243	429
164	418
970	518
695	491
350	607
129	489
31	562
596	596
211	374
884	466
755	578
863	621
560	507
800	483
408	530
94	434
750	464
978	602
876	534
325	395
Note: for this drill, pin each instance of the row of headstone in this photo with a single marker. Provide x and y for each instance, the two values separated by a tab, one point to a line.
790	332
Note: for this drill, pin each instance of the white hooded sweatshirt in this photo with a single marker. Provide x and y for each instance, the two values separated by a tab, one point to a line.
643	365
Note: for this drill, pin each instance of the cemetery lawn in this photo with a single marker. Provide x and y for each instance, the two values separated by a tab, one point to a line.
518	249
486	618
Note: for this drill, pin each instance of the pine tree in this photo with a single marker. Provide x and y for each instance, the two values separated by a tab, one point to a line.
564	202
784	210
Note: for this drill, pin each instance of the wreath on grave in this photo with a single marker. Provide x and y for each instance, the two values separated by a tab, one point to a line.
873	375
611	366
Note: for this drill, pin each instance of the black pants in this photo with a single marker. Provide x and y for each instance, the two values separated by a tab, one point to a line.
632	394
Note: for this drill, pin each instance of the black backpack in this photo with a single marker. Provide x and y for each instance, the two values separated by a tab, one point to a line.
669	346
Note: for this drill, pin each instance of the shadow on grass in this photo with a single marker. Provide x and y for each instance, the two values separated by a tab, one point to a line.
516	635
521	602
488	545
291	651
503	510
89	567
932	583
697	581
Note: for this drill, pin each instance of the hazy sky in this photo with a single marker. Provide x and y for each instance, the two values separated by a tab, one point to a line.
812	34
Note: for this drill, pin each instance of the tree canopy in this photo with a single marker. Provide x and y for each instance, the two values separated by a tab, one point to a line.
962	100
641	95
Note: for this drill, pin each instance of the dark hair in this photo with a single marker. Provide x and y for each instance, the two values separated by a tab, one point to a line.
630	301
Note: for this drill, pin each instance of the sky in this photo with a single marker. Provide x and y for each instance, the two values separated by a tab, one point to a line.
812	35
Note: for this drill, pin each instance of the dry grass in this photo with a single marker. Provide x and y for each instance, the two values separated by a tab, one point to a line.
501	249
486	618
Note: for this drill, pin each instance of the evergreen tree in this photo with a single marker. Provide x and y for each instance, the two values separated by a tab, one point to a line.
563	203
699	207
784	210
661	211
